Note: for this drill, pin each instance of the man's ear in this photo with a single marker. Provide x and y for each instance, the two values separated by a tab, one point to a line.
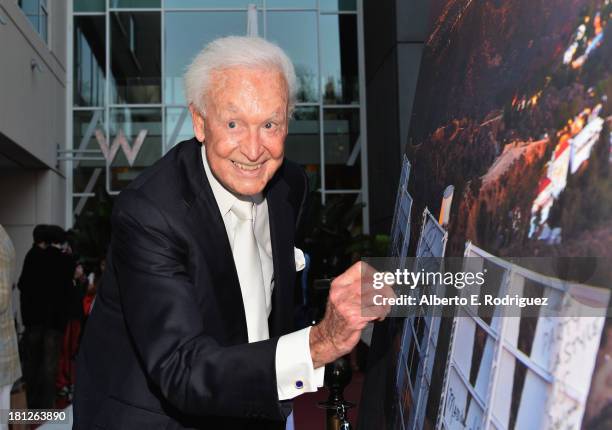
198	123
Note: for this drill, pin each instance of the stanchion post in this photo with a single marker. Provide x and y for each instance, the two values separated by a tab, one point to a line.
337	376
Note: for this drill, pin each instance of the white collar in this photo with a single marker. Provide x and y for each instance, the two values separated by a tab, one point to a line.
225	198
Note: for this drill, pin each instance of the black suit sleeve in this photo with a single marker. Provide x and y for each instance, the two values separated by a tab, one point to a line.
193	372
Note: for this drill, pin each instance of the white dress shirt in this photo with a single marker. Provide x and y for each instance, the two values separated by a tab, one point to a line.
295	374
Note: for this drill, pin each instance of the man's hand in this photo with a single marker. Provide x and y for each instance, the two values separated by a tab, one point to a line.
345	314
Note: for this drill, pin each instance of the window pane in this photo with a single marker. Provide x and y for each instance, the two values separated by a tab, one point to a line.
89	5
135	4
89	61
92	217
292	4
302	143
347	209
178	126
86	208
301	47
342	149
141	130
335	5
226	4
88	175
31	9
135	57
43	25
181	46
88	127
88	179
339	72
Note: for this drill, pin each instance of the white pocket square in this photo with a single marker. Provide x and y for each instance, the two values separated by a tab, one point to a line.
300	260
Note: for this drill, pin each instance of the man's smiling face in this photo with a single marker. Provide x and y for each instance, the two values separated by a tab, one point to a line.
245	127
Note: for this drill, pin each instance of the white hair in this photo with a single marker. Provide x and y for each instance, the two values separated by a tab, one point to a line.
236	51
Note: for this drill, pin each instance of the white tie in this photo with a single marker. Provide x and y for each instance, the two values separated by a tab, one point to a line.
248	266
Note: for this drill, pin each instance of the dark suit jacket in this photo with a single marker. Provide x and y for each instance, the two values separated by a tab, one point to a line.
166	345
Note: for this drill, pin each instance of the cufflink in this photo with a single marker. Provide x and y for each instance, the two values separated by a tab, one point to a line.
299	385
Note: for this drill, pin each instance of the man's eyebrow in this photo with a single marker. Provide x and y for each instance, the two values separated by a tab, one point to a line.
232	108
276	114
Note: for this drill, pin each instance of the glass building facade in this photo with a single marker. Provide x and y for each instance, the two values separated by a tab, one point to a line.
37	13
128	106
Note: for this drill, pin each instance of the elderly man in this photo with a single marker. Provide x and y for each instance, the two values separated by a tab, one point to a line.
192	323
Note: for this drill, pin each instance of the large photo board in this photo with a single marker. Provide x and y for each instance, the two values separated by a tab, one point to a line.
513	110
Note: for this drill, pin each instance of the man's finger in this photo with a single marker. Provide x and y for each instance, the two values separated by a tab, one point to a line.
353	273
367	271
375	302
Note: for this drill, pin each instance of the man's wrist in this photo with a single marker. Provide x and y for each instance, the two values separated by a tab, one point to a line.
320	347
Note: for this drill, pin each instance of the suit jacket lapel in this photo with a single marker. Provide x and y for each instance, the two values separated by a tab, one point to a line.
208	227
282	237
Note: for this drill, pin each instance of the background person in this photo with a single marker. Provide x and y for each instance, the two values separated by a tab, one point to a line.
70	342
45	285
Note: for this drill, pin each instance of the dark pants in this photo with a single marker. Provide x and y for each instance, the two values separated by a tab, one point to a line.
40	351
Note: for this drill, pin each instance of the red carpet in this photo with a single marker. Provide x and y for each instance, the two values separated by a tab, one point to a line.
307	415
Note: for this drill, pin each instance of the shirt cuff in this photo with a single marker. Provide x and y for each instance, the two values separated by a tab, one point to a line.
295	374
